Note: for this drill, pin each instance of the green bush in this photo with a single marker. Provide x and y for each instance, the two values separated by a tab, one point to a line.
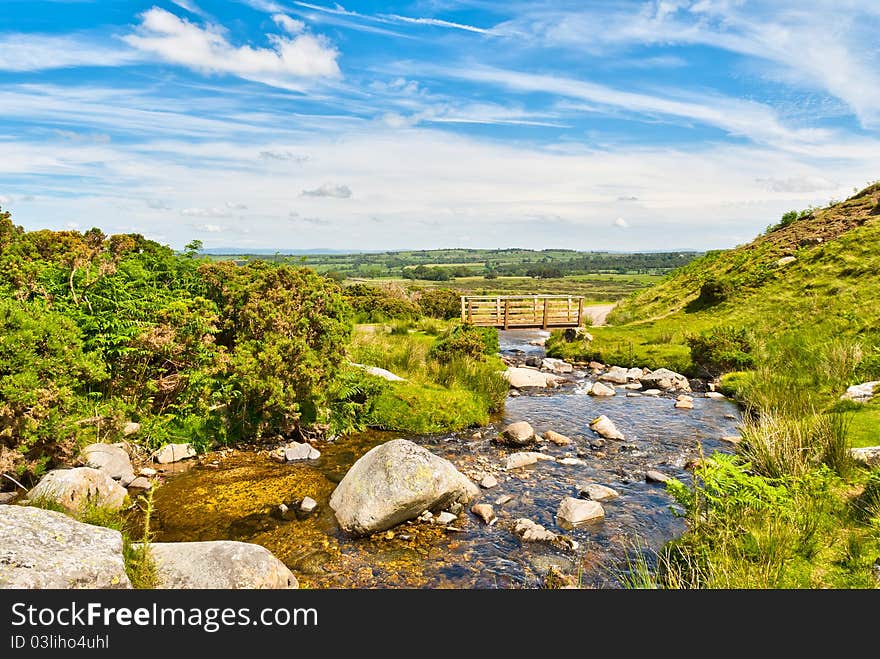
442	303
466	341
721	349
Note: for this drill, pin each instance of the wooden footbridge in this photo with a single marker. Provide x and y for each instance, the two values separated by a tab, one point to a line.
522	311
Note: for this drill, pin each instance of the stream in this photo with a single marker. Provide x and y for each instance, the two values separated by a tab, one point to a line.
234	495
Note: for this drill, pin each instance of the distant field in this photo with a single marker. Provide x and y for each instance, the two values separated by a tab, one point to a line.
596	288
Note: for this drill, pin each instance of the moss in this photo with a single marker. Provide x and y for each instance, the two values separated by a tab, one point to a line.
425	409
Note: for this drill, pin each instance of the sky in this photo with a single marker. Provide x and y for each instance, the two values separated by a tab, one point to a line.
625	125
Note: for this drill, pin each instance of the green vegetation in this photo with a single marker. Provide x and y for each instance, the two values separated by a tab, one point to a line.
452	380
787	336
96	331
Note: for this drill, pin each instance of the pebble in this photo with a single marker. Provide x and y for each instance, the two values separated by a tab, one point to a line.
488	481
141	483
148	472
654	476
308	505
569	461
596	492
557	438
445	518
633	394
716	395
652	392
504	498
485	512
684	402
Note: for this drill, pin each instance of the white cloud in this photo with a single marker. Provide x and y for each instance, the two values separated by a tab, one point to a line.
620	223
206	212
189	6
39	52
328	190
207	228
73	226
236	206
5	200
436	22
288	24
798	184
287	64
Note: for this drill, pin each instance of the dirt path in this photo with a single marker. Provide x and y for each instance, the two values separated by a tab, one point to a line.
597	313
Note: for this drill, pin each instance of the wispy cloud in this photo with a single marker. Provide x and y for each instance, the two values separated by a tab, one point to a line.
41	52
288	63
390	19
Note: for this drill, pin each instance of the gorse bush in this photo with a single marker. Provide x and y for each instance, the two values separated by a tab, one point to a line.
466	341
721	349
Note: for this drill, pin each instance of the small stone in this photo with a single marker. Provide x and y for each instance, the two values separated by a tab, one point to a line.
596	444
300	451
577	512
174	453
283	509
596	492
652	392
684	402
598	366
654	476
556	438
141	483
426	516
308	505
524	458
445	518
6	497
599	389
570	462
520	433
504	498
531	531
605	427
632	394
616	375
785	260
131	428
715	395
488	481
633	386
868	456
476	436
485	512
730	416
731	439
148	472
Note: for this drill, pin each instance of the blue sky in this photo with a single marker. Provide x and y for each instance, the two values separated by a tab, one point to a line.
626	125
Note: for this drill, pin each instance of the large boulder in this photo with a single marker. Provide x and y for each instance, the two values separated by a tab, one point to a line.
520	433
521	378
47	549
616	375
666	380
395	482
112	459
74	489
605	427
220	564
174	453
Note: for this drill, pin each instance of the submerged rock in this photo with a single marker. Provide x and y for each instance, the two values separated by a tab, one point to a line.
485	512
654	476
113	460
577	512
606	428
47	549
556	438
74	489
219	564
174	453
488	481
394	482
520	433
524	458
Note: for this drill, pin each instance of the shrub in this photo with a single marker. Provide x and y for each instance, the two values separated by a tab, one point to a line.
712	292
443	303
466	341
721	349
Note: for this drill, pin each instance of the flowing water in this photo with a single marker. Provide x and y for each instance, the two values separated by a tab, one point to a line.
235	495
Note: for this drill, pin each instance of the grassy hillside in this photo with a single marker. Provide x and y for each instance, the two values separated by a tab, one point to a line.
787	321
815	281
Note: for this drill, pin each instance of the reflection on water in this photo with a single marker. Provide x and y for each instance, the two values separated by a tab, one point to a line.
236	500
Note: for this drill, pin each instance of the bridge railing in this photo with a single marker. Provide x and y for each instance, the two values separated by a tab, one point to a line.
506	311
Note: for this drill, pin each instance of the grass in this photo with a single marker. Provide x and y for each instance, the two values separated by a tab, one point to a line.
439	394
